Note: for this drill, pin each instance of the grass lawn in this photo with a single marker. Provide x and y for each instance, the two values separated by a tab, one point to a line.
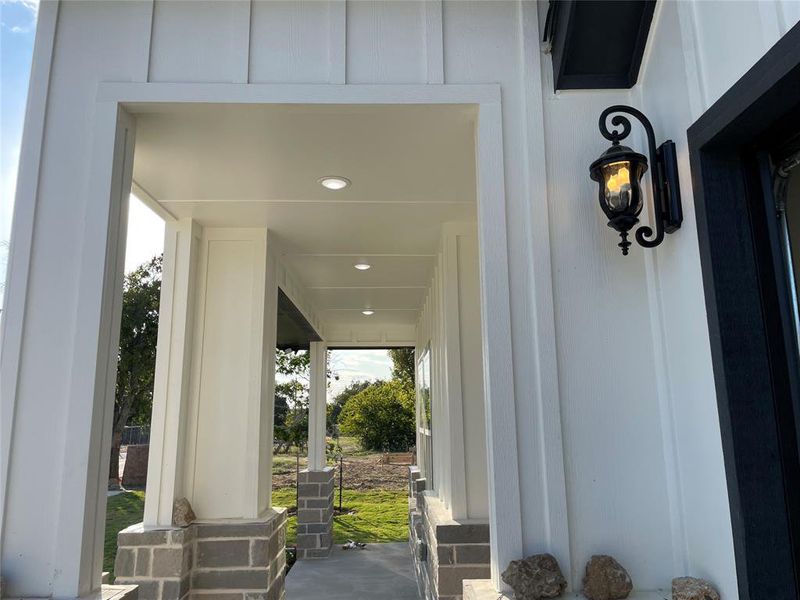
380	516
123	510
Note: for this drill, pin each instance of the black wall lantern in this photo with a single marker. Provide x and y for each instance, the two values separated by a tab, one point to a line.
619	171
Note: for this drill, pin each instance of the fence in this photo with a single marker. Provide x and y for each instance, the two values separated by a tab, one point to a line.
136	434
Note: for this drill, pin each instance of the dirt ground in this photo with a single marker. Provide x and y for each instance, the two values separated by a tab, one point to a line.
360	473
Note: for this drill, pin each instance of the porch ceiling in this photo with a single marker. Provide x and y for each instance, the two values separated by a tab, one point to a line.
412	169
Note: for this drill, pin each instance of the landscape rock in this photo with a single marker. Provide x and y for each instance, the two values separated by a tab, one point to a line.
692	588
606	579
535	577
182	513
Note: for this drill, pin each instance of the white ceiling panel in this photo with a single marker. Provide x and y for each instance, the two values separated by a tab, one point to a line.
412	169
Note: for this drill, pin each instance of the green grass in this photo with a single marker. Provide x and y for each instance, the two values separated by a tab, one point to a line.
123	510
380	516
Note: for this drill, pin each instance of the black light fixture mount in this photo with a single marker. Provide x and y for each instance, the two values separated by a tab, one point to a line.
619	171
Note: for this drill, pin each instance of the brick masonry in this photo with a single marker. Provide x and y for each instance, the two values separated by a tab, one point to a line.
243	561
315	513
446	552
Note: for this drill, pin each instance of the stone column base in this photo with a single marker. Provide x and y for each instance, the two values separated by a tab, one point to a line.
244	559
446	552
315	513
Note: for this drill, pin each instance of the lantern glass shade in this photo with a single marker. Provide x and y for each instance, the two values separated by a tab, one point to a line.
619	172
621	190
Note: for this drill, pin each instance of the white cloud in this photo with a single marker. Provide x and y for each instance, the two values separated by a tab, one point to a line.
22	20
31	5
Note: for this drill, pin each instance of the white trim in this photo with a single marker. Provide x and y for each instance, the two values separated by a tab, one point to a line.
132	93
84	474
241	48
504	497
21	246
546	400
173	359
505	517
317	413
451	355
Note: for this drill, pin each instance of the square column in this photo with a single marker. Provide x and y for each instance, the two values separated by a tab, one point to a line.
317	414
315	513
173	365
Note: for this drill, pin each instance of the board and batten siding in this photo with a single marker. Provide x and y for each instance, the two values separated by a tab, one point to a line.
618	446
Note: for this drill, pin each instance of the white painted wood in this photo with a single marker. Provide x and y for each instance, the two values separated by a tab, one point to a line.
693	460
337	41
172	371
386	42
228	395
288	42
204	40
19	259
434	48
450	349
505	520
137	94
544	413
270	340
50	547
90	396
317	404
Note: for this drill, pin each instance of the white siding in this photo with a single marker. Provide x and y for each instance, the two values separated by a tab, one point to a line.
634	399
451	323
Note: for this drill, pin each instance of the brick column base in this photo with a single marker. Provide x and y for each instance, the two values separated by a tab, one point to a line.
315	513
242	558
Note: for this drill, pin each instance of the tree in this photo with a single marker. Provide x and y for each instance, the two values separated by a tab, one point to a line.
335	407
403	365
133	398
381	416
291	397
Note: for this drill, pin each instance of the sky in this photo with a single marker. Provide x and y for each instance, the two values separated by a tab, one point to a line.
17	29
145	228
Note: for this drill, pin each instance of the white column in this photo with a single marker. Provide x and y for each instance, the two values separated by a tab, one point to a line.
173	365
58	378
317	406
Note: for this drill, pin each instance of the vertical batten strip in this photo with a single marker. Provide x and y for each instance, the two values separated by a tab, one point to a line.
434	41
505	511
554	515
337	41
241	41
144	72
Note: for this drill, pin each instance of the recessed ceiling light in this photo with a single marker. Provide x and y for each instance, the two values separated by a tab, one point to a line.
362	266
368	312
333	182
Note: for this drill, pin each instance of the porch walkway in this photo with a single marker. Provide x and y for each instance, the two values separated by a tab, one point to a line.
378	572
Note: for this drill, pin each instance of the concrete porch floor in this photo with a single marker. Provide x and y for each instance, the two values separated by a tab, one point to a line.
378	572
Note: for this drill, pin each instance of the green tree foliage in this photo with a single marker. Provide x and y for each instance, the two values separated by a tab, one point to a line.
403	365
381	416
291	398
335	408
133	398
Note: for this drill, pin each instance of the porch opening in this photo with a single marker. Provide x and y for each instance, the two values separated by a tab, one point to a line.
265	266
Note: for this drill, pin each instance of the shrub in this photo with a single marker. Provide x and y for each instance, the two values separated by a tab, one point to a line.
381	416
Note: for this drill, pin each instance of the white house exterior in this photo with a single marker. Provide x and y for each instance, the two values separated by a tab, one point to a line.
574	401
